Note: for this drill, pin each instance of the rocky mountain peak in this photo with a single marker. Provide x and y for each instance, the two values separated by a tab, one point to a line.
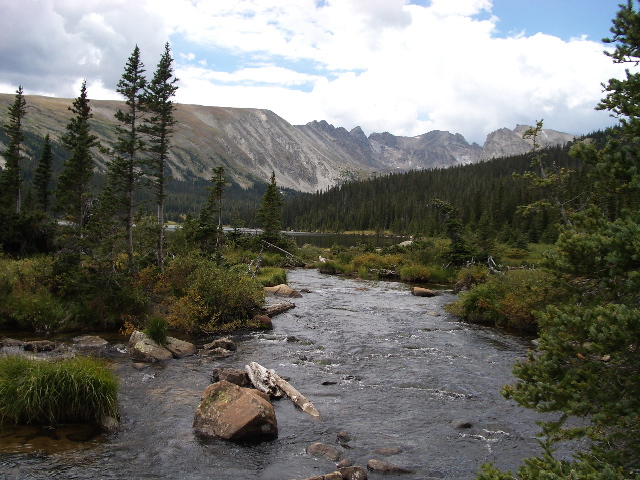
251	143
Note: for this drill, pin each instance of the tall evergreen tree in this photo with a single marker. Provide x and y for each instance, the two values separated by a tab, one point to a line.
73	192
10	179
125	170
269	213
42	176
159	128
210	218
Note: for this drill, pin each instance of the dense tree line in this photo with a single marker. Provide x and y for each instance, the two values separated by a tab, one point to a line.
486	195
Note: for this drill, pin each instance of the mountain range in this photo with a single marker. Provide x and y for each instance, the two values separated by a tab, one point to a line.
251	143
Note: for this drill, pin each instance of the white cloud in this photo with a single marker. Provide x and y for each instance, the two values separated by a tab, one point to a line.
385	65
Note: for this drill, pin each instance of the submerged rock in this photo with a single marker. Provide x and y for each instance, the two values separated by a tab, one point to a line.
327	451
225	343
39	346
381	466
235	413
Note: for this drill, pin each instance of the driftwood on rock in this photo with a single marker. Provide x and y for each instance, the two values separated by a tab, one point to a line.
277	308
270	382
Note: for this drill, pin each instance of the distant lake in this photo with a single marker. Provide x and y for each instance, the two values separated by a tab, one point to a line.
327	240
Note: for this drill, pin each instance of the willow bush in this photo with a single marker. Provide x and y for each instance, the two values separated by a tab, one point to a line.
204	297
42	392
509	300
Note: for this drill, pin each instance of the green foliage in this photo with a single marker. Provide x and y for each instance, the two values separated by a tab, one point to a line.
156	329
50	393
10	179
587	361
508	300
158	126
42	176
25	299
425	273
203	297
271	276
269	213
74	192
549	468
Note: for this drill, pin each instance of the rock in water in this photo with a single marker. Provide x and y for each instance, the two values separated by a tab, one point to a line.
180	348
235	413
386	467
143	349
422	292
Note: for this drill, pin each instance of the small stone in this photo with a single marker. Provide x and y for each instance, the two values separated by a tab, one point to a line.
344	436
389	451
225	343
353	473
344	463
462	423
322	450
381	466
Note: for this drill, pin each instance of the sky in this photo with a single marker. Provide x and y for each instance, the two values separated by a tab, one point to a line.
401	66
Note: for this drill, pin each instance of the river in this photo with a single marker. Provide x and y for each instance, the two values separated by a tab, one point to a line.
392	369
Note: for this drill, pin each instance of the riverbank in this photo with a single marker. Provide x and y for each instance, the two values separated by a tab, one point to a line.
392	369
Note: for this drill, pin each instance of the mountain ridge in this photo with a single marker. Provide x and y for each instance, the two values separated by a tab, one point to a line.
251	143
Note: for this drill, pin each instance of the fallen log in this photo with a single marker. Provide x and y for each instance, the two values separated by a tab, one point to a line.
269	381
276	308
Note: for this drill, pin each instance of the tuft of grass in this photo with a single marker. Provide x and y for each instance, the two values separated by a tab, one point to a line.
272	276
156	329
42	392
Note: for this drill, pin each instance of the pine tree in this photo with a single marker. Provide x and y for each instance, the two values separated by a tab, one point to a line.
125	170
10	178
74	192
587	363
42	176
210	218
159	128
269	213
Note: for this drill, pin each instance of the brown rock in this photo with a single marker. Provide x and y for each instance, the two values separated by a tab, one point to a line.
225	343
89	341
143	349
235	413
263	322
353	473
322	450
180	348
386	467
389	451
422	292
39	346
283	290
236	376
11	342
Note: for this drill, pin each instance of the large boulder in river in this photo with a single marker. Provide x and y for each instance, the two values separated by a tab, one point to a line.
143	349
235	413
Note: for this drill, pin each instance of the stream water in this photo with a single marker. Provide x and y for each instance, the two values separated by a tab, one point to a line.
392	369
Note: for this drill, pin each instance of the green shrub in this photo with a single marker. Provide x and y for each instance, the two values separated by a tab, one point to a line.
271	276
156	329
509	300
416	273
37	310
426	274
50	393
203	297
333	268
